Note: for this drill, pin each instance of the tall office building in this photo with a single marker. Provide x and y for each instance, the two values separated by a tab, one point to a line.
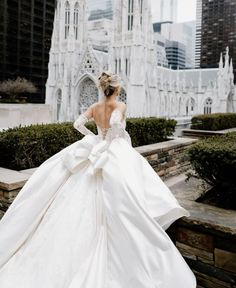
218	28
100	9
183	33
176	54
198	34
25	40
165	10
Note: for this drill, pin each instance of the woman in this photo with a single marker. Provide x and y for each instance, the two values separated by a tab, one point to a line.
94	215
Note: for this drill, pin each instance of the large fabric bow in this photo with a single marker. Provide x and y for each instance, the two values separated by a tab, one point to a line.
87	152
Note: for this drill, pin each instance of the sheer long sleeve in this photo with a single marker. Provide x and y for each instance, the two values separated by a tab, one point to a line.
118	126
79	125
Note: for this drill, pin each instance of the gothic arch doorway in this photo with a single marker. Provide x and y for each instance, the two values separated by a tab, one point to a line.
88	94
190	106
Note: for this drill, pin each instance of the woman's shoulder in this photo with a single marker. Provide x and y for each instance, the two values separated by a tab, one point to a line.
121	105
116	105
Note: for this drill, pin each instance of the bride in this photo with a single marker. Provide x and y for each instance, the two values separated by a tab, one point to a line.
94	215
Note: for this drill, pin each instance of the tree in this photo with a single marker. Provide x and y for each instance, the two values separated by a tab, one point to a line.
13	88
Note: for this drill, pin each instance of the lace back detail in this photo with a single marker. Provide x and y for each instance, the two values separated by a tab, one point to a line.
116	129
103	131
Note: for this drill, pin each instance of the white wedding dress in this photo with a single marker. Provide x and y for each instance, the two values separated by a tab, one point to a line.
93	215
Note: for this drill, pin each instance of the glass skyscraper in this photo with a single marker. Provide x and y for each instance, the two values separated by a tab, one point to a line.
25	40
217	31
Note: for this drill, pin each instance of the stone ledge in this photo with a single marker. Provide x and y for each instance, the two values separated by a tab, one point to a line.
207	218
11	179
205	133
173	143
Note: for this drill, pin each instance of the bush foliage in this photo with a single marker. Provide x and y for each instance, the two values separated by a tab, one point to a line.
214	122
28	147
214	160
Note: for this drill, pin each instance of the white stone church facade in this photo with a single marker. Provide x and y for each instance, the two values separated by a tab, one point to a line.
148	89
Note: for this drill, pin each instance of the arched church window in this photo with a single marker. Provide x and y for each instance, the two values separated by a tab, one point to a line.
119	65
141	11
187	108
116	71
76	20
208	106
126	66
59	100
130	14
88	94
67	19
192	104
180	106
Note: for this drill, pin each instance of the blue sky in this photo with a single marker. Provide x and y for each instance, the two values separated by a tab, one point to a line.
186	10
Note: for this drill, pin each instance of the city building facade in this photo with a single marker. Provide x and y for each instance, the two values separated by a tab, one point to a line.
148	89
175	54
25	41
198	33
184	34
217	30
159	42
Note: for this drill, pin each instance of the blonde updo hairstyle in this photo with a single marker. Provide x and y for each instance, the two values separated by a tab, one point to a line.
109	83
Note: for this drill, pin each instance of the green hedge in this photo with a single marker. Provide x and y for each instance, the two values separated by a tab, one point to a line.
28	147
214	122
214	160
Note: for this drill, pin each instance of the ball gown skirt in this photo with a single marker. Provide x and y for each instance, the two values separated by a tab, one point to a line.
93	215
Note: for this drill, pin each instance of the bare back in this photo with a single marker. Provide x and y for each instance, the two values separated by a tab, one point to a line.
102	112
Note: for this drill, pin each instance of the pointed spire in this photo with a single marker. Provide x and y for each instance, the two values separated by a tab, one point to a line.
231	71
55	31
231	66
200	81
184	81
226	66
221	61
177	79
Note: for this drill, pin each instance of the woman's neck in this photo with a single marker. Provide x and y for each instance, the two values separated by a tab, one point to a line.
110	99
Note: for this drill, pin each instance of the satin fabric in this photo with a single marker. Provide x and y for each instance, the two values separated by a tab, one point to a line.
93	215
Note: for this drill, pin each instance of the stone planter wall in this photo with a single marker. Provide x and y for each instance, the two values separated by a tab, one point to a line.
168	158
207	241
11	183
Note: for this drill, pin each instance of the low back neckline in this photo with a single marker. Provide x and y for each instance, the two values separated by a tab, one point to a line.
104	130
107	128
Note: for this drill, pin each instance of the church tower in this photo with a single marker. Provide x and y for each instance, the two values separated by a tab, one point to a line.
69	39
132	52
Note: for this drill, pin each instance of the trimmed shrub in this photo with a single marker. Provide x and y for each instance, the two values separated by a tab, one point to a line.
214	122
28	147
214	160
